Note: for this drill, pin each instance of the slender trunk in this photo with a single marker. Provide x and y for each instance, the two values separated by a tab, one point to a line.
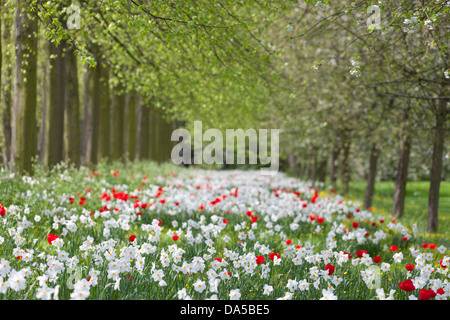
323	170
300	169
370	188
402	176
307	169
91	115
292	159
104	108
117	127
145	143
345	167
139	128
6	91
86	127
130	127
151	132
42	152
334	164
313	169
72	109
436	166
167	145
55	124
157	136
24	126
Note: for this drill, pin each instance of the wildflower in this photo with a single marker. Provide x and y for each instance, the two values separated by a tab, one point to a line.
199	286
426	294
235	294
409	267
328	295
51	238
330	269
407	286
267	289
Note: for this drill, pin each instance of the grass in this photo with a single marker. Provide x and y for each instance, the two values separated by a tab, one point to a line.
64	182
416	202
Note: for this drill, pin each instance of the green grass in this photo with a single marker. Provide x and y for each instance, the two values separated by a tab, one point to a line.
416	202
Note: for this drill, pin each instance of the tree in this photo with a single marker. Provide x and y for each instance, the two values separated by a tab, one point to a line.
57	102
23	139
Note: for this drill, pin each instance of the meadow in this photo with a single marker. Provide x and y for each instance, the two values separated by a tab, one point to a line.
148	231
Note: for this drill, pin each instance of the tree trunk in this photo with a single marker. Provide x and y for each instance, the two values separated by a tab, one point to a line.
5	82
307	169
42	144
72	110
402	176
130	127
313	174
151	132
345	167
323	170
292	159
104	115
139	139
436	166
157	135
166	135
118	123
334	164
300	169
370	188
144	142
24	141
91	115
55	124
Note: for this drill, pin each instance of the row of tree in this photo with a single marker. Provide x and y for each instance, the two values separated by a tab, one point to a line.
366	92
357	89
54	109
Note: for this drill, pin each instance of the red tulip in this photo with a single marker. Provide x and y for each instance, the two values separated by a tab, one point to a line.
330	269
426	294
409	267
51	238
407	286
273	254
